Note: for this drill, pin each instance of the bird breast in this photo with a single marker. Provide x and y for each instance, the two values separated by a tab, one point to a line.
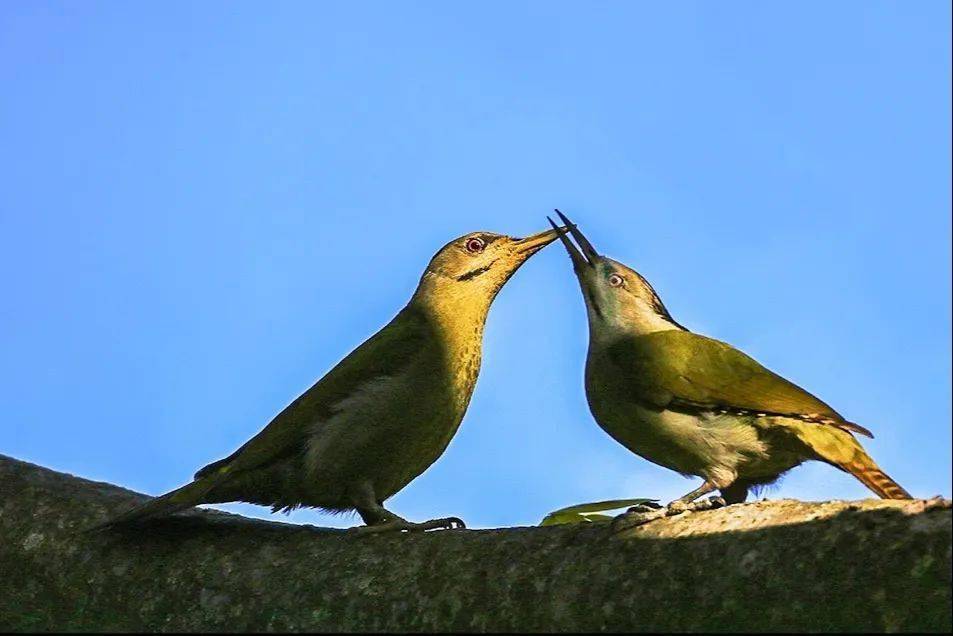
391	428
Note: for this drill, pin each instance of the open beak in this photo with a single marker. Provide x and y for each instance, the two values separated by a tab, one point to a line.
588	256
532	244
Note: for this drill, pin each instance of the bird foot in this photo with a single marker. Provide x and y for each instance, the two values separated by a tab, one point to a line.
648	506
708	504
678	506
637	516
402	525
644	513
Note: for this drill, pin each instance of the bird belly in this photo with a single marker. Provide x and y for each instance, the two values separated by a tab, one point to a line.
385	434
712	446
785	449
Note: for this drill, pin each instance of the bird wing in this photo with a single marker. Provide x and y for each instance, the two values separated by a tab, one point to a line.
384	354
684	370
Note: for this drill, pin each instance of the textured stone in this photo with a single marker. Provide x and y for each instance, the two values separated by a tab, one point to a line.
773	566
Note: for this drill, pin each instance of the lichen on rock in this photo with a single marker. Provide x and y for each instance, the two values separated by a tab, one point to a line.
772	566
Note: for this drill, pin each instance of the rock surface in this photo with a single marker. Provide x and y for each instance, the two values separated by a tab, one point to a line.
772	566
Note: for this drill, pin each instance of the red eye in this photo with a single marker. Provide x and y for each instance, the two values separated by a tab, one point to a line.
615	280
475	245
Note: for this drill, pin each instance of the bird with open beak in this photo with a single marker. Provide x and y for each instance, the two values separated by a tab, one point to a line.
696	405
384	413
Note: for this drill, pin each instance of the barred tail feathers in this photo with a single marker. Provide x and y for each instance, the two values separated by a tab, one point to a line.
836	446
870	475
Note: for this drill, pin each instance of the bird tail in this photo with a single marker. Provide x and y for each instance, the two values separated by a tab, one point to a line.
869	474
839	448
179	499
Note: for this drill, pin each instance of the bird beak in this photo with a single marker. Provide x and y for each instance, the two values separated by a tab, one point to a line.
588	256
532	244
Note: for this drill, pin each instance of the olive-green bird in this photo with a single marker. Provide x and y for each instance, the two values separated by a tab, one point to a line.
385	413
696	405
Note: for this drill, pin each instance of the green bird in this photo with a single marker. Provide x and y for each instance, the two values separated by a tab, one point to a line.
383	414
694	404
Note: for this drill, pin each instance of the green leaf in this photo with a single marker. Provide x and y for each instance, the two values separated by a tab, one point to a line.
586	513
600	506
556	520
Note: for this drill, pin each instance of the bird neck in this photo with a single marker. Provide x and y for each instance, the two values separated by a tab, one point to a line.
606	327
457	312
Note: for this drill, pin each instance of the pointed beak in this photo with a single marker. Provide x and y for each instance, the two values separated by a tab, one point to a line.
588	256
532	244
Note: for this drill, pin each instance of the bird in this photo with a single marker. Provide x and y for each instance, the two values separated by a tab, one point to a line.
383	414
697	405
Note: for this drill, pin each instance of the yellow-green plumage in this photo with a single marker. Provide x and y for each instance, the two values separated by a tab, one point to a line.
697	405
677	368
352	424
384	413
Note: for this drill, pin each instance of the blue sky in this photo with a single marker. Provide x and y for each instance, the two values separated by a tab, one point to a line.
206	205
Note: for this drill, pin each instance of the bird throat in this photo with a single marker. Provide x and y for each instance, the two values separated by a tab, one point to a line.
459	323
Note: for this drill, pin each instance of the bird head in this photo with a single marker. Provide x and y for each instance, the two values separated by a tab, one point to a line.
468	271
618	299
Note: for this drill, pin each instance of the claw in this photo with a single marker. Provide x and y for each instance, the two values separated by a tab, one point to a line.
635	517
648	506
644	513
711	503
402	525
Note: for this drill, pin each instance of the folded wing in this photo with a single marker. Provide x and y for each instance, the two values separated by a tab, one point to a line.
681	370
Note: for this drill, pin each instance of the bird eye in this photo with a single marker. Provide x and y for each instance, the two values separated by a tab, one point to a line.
615	280
475	245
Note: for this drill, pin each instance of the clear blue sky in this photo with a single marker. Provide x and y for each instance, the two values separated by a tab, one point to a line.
206	205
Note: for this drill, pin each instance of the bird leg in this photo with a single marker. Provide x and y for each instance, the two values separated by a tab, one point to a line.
644	513
687	502
380	520
735	493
